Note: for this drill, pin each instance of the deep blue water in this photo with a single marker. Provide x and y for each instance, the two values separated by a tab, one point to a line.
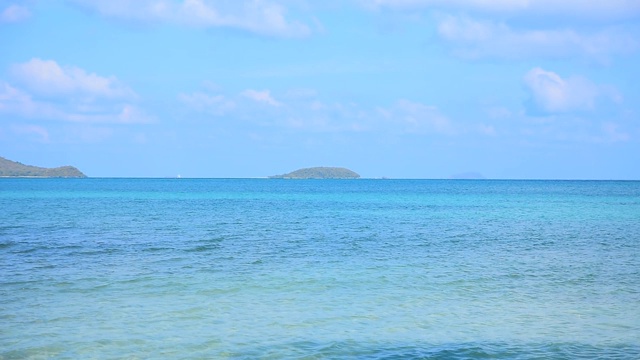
319	269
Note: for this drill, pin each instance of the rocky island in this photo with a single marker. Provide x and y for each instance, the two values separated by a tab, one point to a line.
319	173
10	168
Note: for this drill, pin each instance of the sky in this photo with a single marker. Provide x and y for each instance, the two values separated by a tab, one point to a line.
509	89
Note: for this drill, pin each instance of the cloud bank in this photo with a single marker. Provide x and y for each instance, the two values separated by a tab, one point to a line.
263	96
209	103
473	38
263	17
49	91
46	77
305	111
528	28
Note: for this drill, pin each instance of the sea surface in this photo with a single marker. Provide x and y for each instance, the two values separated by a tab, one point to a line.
319	269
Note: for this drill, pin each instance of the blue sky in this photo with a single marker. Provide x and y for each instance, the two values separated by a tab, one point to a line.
512	89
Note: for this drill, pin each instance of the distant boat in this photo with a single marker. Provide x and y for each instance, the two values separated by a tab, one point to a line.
179	177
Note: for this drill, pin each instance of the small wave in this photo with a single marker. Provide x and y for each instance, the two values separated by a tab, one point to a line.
6	244
203	248
469	351
157	249
11	227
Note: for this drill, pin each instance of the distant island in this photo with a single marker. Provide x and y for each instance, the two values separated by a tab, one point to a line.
319	173
10	168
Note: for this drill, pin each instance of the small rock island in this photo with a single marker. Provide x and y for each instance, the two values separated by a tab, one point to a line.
319	173
10	168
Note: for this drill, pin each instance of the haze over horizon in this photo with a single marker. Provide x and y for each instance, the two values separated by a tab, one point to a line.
508	89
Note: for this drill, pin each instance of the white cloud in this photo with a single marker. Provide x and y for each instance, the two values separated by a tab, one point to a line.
46	77
14	13
213	104
68	93
38	131
117	114
611	133
131	114
488	130
414	117
303	111
16	102
10	95
261	97
550	93
257	16
473	38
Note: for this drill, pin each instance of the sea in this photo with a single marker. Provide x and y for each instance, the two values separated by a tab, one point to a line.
104	268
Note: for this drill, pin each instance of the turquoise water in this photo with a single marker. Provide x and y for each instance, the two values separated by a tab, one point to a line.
319	269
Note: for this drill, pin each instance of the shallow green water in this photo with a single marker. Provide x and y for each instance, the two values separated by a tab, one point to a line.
372	269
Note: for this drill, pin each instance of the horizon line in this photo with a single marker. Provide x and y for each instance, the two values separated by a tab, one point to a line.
288	179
